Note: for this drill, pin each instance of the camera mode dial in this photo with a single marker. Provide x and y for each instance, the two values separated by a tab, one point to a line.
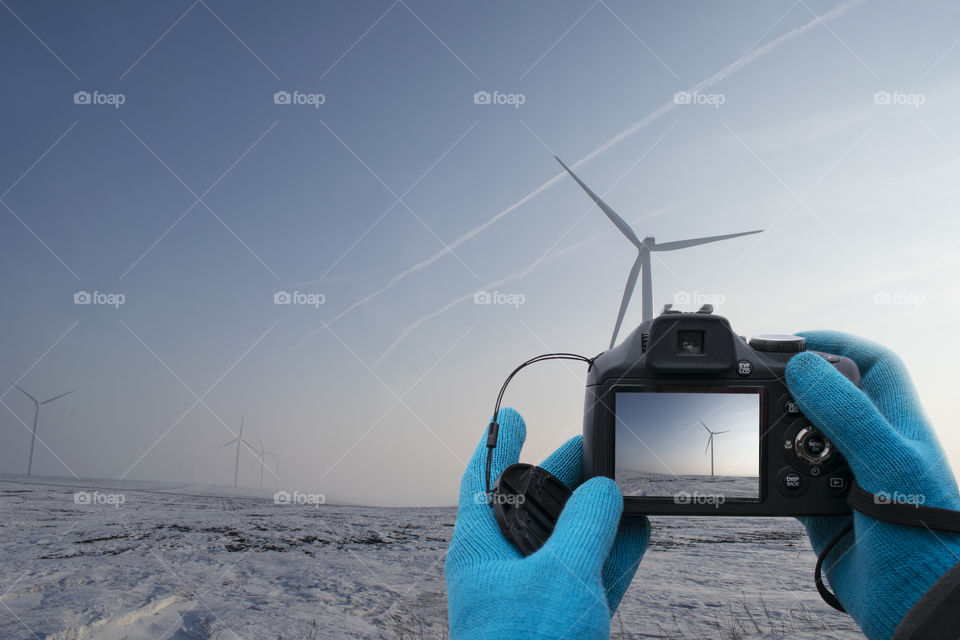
778	343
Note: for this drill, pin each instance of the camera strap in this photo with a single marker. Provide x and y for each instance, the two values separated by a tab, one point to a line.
882	507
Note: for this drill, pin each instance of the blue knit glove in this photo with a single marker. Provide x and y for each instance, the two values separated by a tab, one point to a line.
879	570
571	586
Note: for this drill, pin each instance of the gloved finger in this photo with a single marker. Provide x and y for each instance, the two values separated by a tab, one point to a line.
513	432
476	532
584	533
884	378
566	463
625	556
849	419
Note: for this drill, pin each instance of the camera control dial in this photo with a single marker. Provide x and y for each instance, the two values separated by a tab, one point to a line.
777	343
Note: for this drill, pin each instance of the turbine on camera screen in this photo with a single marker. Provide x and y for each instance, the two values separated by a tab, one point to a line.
710	444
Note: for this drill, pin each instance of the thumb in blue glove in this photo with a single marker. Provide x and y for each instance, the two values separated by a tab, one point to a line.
570	586
881	569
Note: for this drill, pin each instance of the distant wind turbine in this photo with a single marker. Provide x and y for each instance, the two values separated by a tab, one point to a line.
276	467
710	444
644	248
262	453
238	440
36	415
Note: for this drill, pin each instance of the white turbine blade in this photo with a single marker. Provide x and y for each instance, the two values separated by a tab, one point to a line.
27	394
627	292
241	425
225	445
704	426
683	244
709	442
261	445
614	218
57	397
716	432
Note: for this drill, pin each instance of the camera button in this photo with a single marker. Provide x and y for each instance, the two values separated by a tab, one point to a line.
793	481
837	485
790	407
744	367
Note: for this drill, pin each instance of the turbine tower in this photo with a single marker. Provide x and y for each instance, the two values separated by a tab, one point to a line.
644	248
710	444
238	440
262	453
36	415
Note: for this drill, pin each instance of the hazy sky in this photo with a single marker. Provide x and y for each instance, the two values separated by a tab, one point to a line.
662	433
396	199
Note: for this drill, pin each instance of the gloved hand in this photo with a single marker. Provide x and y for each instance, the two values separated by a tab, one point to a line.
571	586
880	569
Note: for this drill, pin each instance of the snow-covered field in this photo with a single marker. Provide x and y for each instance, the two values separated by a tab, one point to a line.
184	561
645	483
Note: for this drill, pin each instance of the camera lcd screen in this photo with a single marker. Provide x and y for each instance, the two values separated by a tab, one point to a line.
689	447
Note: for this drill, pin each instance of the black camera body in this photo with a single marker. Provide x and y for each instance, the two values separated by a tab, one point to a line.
684	380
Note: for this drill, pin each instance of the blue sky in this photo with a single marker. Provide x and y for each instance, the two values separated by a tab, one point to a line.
399	197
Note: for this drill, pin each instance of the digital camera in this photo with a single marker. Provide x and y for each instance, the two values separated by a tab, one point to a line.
689	418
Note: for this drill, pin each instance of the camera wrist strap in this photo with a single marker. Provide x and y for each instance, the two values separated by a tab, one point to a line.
880	507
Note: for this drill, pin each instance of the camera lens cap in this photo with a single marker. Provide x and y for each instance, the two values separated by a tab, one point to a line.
527	501
778	343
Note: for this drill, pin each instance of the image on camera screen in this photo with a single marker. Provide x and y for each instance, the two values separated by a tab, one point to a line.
690	447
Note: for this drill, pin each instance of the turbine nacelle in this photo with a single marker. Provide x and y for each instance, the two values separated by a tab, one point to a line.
644	248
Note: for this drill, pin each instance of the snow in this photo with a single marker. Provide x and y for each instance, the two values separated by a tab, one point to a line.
177	561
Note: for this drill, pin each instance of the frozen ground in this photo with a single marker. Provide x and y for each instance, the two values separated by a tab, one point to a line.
183	562
641	483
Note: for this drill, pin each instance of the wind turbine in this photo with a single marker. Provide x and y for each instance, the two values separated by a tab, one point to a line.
238	440
710	443
276	468
644	248
260	458
36	415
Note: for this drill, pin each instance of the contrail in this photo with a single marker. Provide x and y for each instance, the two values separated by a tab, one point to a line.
724	73
626	133
521	273
666	107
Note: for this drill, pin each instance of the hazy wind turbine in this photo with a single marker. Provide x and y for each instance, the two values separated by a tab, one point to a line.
710	444
238	440
36	415
644	248
260	458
